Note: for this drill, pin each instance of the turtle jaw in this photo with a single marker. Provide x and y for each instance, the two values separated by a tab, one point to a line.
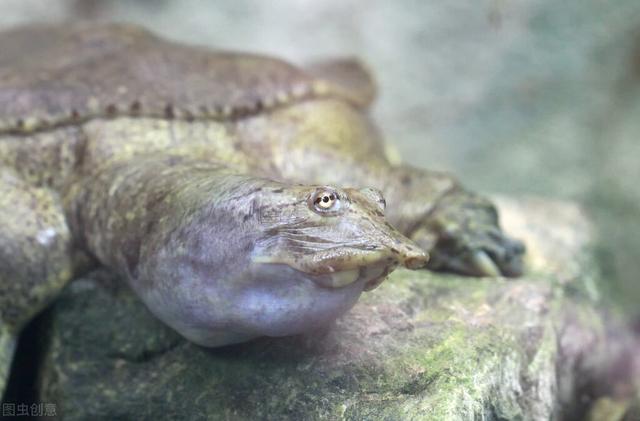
371	258
362	263
340	267
370	276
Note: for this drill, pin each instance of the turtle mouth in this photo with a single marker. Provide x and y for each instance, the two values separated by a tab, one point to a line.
371	265
336	268
371	276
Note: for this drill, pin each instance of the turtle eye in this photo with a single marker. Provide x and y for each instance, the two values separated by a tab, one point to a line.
325	201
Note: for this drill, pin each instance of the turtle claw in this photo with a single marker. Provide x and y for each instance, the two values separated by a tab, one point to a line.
478	255
483	264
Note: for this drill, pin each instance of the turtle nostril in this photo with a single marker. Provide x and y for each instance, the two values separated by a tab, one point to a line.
416	260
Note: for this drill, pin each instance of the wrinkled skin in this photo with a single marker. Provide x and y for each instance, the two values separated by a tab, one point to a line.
240	196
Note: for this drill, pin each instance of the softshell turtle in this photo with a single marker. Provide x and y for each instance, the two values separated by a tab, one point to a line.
240	195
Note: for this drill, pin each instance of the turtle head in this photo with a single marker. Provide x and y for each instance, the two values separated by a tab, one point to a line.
267	259
336	236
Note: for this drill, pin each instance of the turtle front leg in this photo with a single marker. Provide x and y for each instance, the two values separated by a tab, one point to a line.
459	229
464	236
35	257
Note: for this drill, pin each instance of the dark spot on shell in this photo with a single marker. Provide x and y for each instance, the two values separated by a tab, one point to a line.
280	190
188	115
406	180
111	109
246	217
394	251
242	111
75	115
168	111
20	123
135	107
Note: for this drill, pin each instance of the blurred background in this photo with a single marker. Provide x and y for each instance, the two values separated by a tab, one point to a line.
515	97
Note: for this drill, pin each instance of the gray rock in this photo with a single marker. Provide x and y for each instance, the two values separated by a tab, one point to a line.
422	346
